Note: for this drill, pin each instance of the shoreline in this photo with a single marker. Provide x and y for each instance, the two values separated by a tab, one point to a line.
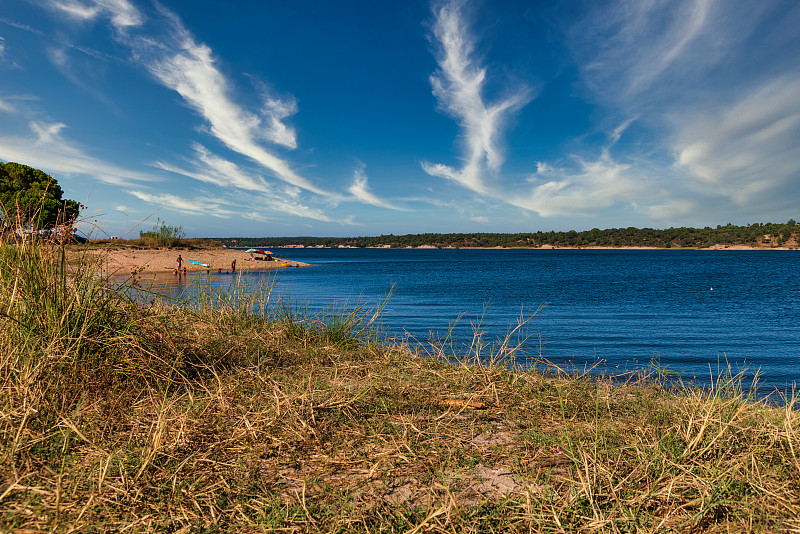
546	247
161	262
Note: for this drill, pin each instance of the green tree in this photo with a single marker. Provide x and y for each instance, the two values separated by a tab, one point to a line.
33	196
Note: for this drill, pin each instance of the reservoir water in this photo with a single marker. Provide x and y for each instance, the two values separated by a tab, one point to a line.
693	313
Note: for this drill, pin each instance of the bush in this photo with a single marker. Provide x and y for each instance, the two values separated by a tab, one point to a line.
163	235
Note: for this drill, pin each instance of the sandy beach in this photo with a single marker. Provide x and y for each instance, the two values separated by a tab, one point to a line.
126	261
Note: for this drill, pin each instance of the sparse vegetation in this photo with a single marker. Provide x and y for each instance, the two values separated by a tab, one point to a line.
239	411
191	243
162	235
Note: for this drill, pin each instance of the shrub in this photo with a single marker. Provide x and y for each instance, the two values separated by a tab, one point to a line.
162	235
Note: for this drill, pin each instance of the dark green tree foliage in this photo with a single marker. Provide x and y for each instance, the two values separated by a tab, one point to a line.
757	234
33	196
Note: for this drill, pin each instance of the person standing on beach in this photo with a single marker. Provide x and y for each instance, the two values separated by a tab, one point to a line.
233	266
180	261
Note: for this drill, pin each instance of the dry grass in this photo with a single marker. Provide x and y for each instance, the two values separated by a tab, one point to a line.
194	243
128	418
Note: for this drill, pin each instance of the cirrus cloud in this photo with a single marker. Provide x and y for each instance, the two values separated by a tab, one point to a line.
459	85
360	190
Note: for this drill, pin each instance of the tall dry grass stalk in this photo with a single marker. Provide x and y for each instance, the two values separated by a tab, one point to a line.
241	412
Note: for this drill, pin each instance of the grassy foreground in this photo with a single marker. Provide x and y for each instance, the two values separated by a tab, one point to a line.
116	416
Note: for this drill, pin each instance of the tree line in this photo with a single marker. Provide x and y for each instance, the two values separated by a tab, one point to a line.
757	235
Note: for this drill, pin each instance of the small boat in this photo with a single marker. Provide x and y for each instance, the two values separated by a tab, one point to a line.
206	265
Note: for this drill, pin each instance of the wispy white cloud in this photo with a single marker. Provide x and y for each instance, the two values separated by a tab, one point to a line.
594	186
433	201
263	201
360	190
21	26
459	85
747	149
57	53
675	70
62	61
194	206
624	47
212	169
275	111
587	186
175	59
57	57
189	68
266	210
7	58
254	207
706	77
121	13
165	49
47	132
51	151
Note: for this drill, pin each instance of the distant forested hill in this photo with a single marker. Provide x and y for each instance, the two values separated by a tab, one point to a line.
757	235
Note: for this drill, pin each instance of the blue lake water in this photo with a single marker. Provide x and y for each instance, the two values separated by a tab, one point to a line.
692	312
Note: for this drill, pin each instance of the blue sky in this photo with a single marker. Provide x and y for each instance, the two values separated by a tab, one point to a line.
265	118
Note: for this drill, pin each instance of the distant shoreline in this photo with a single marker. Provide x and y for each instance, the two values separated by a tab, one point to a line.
543	247
756	236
